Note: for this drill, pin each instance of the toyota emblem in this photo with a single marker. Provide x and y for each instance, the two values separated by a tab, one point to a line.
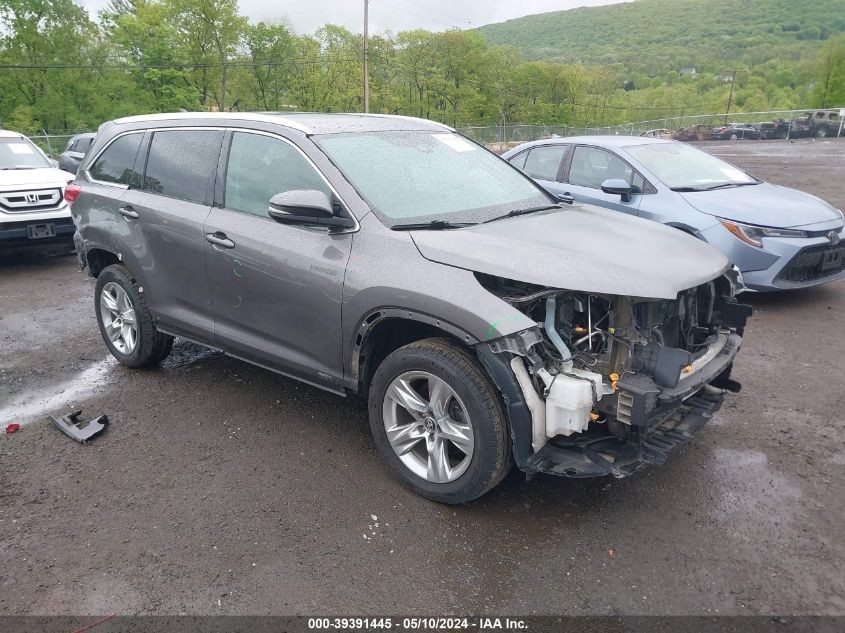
834	238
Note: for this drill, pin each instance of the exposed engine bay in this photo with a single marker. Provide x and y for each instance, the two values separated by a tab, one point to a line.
615	382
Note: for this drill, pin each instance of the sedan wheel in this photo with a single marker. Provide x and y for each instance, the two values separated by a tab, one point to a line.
118	316
428	426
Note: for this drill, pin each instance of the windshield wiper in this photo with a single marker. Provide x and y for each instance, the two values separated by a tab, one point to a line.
516	212
434	225
724	185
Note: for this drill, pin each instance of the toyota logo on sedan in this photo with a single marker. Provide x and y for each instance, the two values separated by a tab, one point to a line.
833	236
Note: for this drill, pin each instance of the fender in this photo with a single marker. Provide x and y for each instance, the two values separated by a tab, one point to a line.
686	228
376	316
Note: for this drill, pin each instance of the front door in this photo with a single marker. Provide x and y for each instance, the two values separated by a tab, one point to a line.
590	167
276	289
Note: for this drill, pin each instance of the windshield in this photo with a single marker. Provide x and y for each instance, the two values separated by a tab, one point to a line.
417	176
20	153
681	166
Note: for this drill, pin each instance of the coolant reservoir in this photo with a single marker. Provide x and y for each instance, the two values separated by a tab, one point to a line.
570	400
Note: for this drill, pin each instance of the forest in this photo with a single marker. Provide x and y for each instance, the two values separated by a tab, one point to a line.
61	70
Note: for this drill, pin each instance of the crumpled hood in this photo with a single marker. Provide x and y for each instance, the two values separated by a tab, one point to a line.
583	248
764	204
31	178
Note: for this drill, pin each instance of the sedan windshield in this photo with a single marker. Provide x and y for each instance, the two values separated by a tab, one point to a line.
683	167
20	153
417	176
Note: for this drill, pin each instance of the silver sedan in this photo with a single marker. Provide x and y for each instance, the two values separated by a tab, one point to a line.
779	238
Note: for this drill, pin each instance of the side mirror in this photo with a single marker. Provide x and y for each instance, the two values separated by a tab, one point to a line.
306	206
617	186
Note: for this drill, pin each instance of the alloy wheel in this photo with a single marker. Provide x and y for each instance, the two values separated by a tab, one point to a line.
118	316
428	426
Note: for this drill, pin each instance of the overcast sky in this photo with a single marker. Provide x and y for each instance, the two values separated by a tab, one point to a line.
394	15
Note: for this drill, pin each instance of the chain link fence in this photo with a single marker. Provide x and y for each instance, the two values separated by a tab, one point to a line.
52	144
502	137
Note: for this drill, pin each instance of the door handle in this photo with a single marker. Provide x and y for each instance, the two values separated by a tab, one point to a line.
219	239
128	212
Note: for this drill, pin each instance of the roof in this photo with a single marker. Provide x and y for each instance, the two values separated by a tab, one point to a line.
10	134
306	122
601	141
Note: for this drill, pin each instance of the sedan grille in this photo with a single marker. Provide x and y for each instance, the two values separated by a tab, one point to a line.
814	263
27	201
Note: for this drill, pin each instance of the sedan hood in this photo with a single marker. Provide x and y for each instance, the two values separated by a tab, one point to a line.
764	204
44	177
581	248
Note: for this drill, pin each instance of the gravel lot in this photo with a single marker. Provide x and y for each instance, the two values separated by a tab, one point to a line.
223	488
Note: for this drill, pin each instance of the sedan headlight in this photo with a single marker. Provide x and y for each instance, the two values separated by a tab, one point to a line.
754	234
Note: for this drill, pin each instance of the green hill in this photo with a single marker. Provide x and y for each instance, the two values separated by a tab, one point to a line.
657	36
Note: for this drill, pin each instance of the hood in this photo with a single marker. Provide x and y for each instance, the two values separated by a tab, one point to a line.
764	204
581	248
43	177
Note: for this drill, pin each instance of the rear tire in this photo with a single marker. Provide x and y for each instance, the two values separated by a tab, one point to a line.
450	398
821	132
125	322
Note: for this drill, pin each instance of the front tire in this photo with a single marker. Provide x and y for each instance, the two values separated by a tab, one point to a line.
125	322
438	421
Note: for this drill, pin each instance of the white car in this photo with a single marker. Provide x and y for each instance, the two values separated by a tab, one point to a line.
33	213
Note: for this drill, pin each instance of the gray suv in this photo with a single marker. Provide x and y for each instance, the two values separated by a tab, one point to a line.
485	322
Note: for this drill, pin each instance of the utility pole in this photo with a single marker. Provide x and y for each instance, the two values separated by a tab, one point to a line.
730	97
223	92
366	57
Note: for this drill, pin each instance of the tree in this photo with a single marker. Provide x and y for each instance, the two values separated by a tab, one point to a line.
829	88
211	31
272	52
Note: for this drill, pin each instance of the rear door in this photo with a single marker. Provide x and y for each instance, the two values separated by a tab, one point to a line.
276	288
160	225
589	167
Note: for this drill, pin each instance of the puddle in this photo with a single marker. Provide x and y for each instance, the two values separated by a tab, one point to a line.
751	490
35	405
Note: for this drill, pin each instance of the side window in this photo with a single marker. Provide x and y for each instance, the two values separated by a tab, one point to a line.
591	166
182	163
543	161
260	167
82	145
518	161
116	163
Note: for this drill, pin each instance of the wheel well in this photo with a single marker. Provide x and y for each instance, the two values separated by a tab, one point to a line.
97	259
684	228
386	336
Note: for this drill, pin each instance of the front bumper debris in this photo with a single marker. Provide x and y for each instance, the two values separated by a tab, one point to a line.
586	456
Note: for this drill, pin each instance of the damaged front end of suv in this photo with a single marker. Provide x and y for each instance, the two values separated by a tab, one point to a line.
607	384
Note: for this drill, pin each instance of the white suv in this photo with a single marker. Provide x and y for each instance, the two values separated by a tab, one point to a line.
33	211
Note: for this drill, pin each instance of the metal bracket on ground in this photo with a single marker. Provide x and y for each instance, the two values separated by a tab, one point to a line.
80	431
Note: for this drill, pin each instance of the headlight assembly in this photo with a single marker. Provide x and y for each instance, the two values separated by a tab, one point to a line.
754	234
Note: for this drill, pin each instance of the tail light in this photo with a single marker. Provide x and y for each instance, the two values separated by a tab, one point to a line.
72	191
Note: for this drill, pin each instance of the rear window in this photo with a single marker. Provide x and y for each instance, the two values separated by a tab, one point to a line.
182	163
82	145
115	165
